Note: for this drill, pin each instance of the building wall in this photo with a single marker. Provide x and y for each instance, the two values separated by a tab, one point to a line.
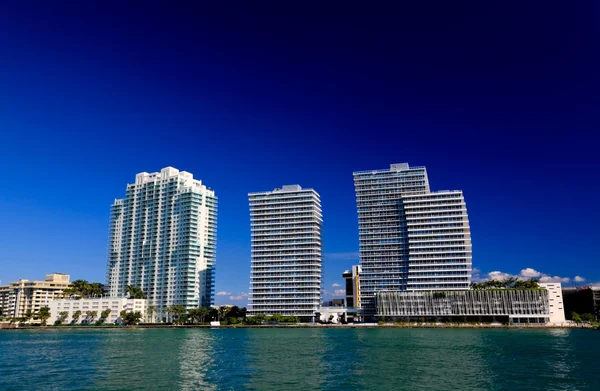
116	305
410	238
163	239
497	302
286	252
439	241
556	305
22	296
582	300
352	278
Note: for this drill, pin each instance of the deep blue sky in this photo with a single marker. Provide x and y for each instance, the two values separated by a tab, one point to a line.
497	100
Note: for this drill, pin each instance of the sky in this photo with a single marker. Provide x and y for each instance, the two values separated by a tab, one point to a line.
498	100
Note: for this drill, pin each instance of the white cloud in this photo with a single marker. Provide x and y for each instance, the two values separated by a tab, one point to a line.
475	275
222	293
524	274
339	292
336	285
498	275
239	296
579	279
529	273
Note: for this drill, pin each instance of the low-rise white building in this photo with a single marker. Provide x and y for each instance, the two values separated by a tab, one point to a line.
555	300
92	308
516	306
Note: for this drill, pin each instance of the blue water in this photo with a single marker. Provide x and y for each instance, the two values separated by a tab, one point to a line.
300	359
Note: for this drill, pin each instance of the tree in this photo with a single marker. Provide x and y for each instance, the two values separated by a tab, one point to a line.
587	317
91	315
510	283
134	292
27	317
61	317
233	320
76	316
197	315
177	311
104	314
95	289
222	311
204	312
130	318
151	310
256	319
214	314
44	314
576	317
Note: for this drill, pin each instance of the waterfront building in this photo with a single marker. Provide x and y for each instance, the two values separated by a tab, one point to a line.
538	306
90	309
582	300
411	239
352	279
286	252
163	240
20	297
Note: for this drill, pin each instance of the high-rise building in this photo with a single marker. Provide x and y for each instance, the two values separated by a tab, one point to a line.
23	296
286	252
163	240
410	238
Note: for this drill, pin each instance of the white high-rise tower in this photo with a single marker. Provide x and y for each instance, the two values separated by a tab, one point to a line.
410	238
286	252
163	240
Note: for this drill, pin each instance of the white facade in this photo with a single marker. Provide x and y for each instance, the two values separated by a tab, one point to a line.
410	238
163	240
20	297
116	305
286	252
555	298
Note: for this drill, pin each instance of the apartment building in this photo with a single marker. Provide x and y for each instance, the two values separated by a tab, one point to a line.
17	298
410	237
286	267
163	240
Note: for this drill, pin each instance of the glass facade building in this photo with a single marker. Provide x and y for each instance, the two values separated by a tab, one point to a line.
163	239
286	252
410	238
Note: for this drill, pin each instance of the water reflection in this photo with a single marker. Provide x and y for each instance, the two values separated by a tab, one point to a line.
299	359
286	359
196	358
425	359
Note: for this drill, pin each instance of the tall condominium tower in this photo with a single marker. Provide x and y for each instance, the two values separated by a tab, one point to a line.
286	252
410	238
163	238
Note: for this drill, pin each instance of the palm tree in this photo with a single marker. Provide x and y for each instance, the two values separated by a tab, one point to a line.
104	314
203	312
80	287
134	292
76	316
151	311
177	311
27	317
62	316
91	315
95	289
44	314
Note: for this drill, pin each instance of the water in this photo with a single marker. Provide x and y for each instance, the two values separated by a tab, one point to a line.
300	359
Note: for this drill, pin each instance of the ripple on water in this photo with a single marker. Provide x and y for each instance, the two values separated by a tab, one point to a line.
300	359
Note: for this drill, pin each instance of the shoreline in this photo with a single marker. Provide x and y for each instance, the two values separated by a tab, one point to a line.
304	326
